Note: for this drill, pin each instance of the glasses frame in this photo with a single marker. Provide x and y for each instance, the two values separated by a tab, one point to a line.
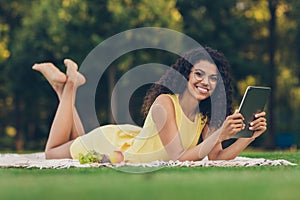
200	75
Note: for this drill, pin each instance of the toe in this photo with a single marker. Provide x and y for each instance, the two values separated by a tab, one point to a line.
70	63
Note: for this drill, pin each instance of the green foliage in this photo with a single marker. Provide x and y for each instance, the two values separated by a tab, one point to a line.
131	14
44	30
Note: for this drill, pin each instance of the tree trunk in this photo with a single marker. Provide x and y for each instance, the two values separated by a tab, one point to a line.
270	140
18	117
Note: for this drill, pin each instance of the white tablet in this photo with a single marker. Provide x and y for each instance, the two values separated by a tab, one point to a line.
254	101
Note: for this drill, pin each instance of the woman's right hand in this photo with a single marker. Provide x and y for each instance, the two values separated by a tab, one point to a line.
233	124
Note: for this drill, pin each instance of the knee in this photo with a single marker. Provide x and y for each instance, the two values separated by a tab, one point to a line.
48	154
58	152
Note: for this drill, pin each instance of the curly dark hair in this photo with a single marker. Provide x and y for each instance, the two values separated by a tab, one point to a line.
171	83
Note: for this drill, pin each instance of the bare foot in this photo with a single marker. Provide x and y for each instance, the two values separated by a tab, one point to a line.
72	73
55	77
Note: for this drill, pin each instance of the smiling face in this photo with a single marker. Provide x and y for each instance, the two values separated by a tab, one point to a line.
203	80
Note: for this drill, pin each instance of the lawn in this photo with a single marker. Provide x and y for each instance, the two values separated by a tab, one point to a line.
276	182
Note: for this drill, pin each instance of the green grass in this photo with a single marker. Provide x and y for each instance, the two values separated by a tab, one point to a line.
267	182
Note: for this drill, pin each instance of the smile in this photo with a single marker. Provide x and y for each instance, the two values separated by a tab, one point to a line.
202	90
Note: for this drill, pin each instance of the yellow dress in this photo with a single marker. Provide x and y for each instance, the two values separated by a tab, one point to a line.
138	144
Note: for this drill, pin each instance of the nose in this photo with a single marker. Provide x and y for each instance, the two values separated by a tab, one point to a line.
204	80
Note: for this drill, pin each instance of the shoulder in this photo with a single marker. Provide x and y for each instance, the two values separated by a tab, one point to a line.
163	106
164	100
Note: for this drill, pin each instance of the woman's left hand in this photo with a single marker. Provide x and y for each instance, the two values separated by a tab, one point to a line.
259	124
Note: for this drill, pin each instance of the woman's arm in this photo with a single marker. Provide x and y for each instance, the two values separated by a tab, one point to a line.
211	144
259	126
163	115
231	152
204	148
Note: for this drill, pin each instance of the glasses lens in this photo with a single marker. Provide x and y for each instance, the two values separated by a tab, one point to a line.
199	75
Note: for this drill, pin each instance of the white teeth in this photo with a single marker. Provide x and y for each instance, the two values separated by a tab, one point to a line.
202	90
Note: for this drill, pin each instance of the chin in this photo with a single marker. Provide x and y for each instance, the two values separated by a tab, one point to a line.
201	97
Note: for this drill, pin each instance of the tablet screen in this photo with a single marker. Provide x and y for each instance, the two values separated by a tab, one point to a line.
254	101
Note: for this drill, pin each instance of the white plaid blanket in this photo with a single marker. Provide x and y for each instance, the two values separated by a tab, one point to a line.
37	160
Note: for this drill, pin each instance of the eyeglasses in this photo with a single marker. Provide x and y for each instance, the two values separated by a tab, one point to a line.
199	75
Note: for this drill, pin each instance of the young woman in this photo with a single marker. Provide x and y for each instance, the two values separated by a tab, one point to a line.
175	118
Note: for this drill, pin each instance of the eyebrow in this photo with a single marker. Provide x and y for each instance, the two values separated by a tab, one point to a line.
196	69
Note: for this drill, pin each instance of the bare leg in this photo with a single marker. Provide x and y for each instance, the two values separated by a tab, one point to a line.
57	80
77	127
58	143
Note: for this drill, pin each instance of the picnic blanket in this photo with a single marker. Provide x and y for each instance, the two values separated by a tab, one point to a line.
37	160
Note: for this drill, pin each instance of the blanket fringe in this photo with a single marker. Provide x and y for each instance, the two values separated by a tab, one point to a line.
37	160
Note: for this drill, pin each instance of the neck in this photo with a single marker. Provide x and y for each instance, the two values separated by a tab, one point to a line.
189	105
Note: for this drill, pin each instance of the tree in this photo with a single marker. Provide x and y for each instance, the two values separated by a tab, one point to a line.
273	72
51	30
44	30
